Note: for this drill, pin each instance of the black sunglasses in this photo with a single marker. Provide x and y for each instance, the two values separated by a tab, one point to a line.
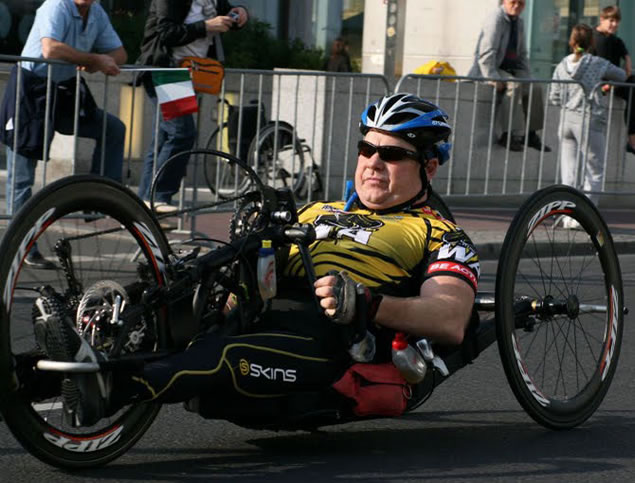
386	153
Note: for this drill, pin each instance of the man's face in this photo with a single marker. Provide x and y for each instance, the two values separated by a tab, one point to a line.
383	184
609	25
83	3
514	7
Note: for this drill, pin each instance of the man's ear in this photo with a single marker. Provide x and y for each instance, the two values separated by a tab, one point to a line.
431	167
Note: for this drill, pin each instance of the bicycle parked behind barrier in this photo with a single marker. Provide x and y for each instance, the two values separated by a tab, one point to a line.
271	147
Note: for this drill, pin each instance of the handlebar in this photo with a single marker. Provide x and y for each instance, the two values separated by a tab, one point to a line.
300	234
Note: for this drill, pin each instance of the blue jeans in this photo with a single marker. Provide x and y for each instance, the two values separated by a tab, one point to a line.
88	128
174	136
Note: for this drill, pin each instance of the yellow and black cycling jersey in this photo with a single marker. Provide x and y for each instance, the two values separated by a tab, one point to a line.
392	253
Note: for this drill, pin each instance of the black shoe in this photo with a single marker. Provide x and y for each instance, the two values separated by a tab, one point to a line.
34	259
536	143
515	143
84	395
629	148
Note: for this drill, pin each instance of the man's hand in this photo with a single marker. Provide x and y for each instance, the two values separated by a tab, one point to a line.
500	86
219	25
102	63
337	297
242	16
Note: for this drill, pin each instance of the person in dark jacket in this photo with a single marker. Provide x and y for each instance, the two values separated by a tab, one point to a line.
176	29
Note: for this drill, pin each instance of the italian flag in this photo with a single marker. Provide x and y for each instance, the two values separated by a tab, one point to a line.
175	93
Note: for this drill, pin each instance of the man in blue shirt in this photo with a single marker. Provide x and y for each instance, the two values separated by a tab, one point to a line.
80	33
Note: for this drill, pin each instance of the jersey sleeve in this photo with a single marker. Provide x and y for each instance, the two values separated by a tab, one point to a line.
452	253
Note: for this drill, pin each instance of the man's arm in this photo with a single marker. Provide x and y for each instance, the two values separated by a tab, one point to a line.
489	44
628	65
106	63
441	312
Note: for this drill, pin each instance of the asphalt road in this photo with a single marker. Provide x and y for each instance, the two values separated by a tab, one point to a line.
471	429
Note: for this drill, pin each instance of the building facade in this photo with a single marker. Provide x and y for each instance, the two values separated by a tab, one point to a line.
425	30
384	36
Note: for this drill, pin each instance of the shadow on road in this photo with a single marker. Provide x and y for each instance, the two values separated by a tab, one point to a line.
435	446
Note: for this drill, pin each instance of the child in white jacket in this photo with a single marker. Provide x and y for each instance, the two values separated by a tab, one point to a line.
574	99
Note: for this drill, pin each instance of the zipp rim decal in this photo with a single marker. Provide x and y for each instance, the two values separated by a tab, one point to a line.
25	245
538	396
552	208
611	335
147	238
88	444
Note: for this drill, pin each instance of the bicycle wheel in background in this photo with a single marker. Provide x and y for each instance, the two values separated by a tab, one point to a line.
108	248
278	160
221	177
559	307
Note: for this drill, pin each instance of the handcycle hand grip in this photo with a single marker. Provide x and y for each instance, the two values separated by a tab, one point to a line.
282	216
302	234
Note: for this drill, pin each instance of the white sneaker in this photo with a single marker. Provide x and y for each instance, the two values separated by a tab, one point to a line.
162	208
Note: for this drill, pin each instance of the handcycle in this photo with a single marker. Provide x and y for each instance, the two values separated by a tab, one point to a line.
556	312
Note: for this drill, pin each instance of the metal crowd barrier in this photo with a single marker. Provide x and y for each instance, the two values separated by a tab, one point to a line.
479	167
322	110
48	112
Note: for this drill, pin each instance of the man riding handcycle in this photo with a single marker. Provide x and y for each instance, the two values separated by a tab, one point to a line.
118	335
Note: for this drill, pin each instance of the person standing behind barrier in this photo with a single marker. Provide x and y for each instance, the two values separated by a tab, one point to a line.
611	47
587	70
501	53
176	29
339	60
68	30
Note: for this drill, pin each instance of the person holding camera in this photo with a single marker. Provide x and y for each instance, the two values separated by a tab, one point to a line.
176	29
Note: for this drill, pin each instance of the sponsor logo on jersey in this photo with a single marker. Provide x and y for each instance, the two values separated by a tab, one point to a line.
453	267
350	225
458	252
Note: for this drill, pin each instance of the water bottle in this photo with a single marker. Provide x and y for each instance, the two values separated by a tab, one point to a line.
364	350
407	359
266	270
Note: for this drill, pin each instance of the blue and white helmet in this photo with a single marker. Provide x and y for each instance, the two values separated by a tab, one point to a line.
416	120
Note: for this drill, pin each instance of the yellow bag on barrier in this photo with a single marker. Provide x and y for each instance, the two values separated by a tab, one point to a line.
207	74
436	67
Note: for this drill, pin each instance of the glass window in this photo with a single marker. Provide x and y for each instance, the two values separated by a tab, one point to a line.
352	29
550	23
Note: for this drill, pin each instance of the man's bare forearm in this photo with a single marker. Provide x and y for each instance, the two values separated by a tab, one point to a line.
441	316
106	63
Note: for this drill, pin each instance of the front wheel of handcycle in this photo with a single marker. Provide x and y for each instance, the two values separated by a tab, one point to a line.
559	307
107	248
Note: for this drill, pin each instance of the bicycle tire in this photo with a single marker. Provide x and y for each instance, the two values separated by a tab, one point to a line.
559	307
276	140
105	225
